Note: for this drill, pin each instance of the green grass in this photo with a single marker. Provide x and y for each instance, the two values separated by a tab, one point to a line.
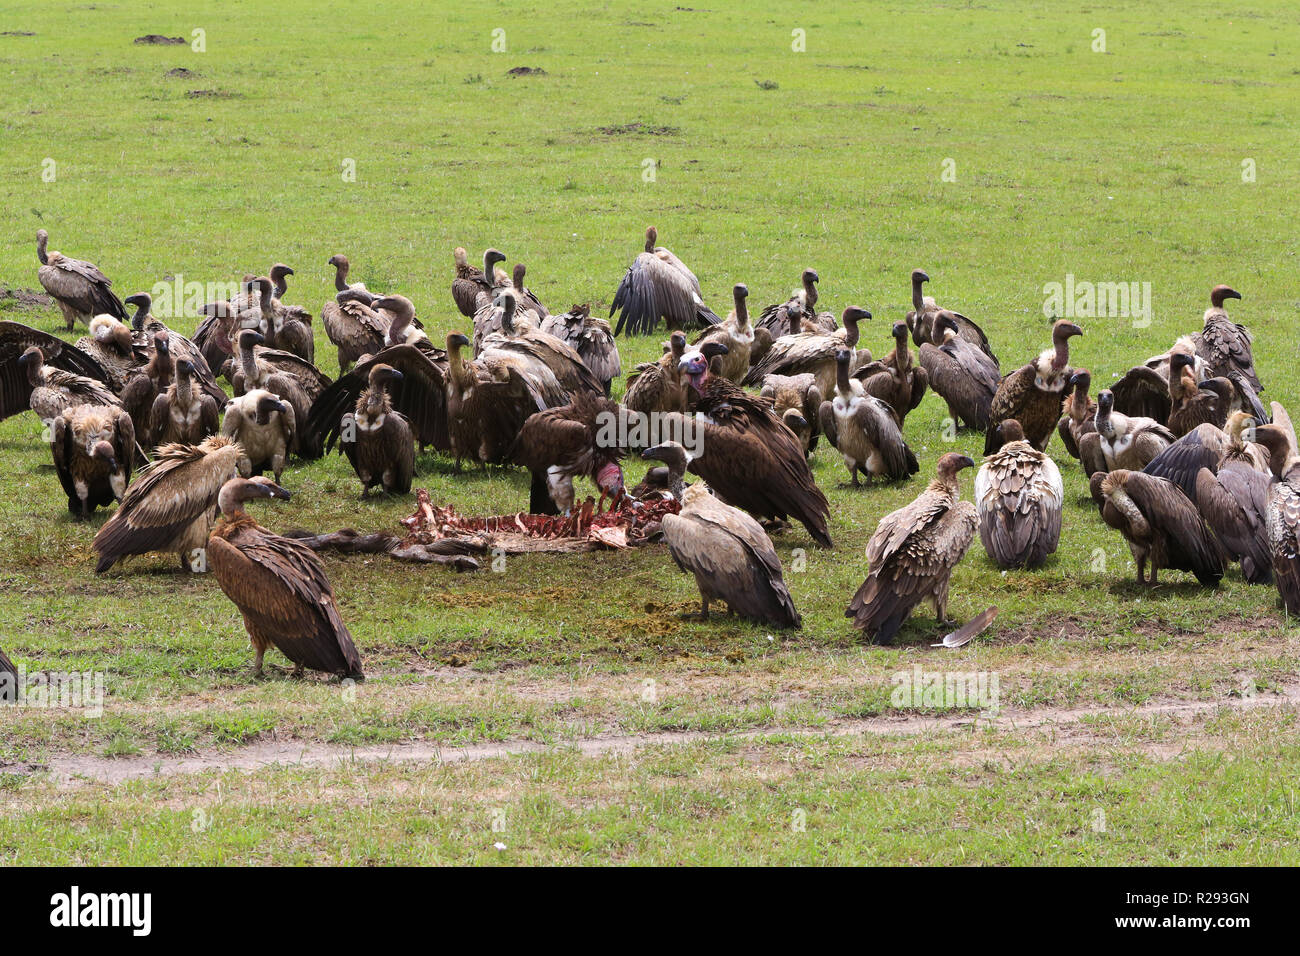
1116	166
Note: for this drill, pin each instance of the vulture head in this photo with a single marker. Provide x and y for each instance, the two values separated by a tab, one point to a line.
651	238
490	258
1081	381
809	279
31	360
919	278
946	326
696	363
677	344
1221	388
851	317
517	276
459	254
455	342
1105	405
341	264
1281	457
506	303
250	337
162	344
403	312
42	237
102	451
610	481
279	271
184	368
381	375
108	331
1221	292
1062	331
671	454
1009	430
142	302
950	464
1240	427
900	331
238	490
268	405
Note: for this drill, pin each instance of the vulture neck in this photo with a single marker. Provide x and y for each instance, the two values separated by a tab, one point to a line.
460	370
341	277
742	314
248	359
160	369
184	386
842	383
36	374
1060	352
902	355
918	295
141	313
40	250
850	331
280	286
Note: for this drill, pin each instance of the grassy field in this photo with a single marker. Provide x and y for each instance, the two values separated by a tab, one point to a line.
583	719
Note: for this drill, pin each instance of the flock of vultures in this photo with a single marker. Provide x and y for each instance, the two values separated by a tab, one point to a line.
1181	457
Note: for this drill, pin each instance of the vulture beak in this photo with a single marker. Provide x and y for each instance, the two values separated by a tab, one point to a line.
966	462
653	452
920	276
798	421
185	365
459	339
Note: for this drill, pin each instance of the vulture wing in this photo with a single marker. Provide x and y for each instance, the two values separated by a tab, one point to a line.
83	286
1142	393
1171	513
1180	463
879	423
658	285
1235	504
16	338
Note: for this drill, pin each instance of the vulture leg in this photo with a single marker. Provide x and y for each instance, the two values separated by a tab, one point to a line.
257	667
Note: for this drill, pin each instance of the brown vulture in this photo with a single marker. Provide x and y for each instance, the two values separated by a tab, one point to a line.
376	437
341	269
799	312
1018	498
1193	403
184	412
591	338
354	327
51	391
1234	500
798	401
960	373
736	334
172	504
1032	394
111	344
266	429
1078	414
658	285
285	375
1180	462
895	379
525	296
94	447
1223	344
813	352
146	329
659	386
540	350
1283	507
80	289
1159	523
864	430
52	359
666	480
279	587
925	312
560	444
731	557
1126	442
471	282
912	555
144	387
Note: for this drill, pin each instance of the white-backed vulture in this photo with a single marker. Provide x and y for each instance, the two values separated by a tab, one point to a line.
1283	507
921	320
801	307
111	344
797	400
659	386
1192	403
50	390
658	285
1078	414
1126	442
284	374
1018	498
524	295
1223	344
377	438
184	413
287	327
560	444
813	352
736	334
895	379
960	373
912	555
1159	523
80	289
172	504
341	269
864	430
279	586
540	349
471	282
667	480
16	377
591	338
1180	462
146	384
355	328
1234	501
94	447
491	319
265	428
1032	394
146	327
730	556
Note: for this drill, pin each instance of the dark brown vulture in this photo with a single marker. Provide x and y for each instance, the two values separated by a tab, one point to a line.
341	269
1032	394
1234	501
376	437
94	447
1180	462
1018	498
961	374
797	401
525	295
471	282
591	338
1078	414
144	387
925	312
354	327
283	374
184	413
1192	403
172	504
398	315
279	587
912	555
801	308
813	352
266	429
1223	344
895	379
560	444
1159	523
52	359
659	386
736	334
731	557
668	479
80	289
288	327
658	285
1126	442
864	430
146	329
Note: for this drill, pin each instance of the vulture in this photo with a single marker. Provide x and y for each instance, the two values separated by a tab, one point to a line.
540	350
1234	501
1192	403
146	328
659	386
560	444
591	338
93	448
731	557
1223	344
51	359
895	379
747	456
470	282
265	428
286	327
1018	499
398	315
172	504
736	334
798	401
52	390
1032	394
960	373
800	308
284	374
490	320
1207	446
142	391
912	555
341	268
658	285
377	438
1078	414
183	412
813	352
1125	442
1283	508
355	328
666	480
525	295
80	289
279	587
489	399
864	430
1159	523
419	396
925	313
111	344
